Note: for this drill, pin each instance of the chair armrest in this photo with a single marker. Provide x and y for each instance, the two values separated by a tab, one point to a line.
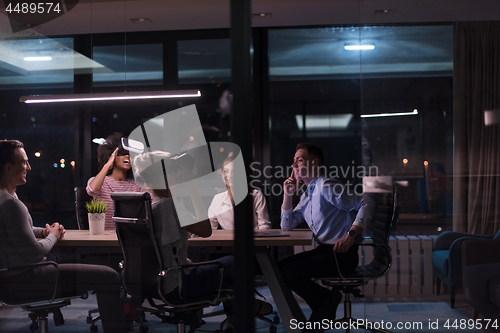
446	239
479	252
180	267
44	263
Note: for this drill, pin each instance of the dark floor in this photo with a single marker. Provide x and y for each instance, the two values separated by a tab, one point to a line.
416	313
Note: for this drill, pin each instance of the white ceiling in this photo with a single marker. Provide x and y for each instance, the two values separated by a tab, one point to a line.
100	16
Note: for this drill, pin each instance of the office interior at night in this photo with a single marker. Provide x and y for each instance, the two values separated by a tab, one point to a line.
418	102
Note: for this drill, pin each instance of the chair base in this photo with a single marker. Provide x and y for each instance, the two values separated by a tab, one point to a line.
39	313
352	322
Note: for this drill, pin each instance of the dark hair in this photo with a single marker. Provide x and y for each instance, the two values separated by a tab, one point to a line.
7	148
107	148
313	151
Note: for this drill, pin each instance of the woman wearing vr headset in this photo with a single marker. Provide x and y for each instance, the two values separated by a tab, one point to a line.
115	175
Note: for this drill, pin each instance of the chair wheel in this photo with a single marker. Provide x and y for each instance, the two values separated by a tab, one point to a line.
272	329
89	319
94	328
143	329
276	319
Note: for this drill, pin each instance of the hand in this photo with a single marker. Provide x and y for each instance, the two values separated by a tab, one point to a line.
111	161
61	229
290	185
45	231
344	244
54	229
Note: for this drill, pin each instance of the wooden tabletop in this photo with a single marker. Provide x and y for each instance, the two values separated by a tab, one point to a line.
82	238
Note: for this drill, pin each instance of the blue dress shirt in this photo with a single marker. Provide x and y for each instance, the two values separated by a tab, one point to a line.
325	206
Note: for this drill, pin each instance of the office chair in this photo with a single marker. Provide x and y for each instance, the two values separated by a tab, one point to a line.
385	219
39	306
143	269
81	197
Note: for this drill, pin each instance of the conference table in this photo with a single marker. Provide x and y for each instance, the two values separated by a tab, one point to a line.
81	241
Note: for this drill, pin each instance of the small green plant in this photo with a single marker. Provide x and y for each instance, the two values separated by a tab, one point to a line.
96	206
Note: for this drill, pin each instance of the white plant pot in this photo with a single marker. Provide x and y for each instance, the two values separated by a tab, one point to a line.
96	223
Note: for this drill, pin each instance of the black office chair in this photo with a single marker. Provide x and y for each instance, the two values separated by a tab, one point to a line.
40	305
81	197
143	267
384	220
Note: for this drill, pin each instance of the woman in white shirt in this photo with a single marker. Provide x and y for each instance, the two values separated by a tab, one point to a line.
221	210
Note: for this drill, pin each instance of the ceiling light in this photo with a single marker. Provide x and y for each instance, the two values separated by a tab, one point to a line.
357	47
37	58
110	96
491	117
141	20
315	122
384	12
99	141
262	15
414	112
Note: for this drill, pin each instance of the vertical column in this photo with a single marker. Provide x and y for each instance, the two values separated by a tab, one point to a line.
242	124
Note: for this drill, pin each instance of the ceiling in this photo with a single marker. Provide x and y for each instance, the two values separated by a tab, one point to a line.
101	16
422	50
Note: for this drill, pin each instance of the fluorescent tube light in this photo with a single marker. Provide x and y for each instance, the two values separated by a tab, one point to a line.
414	112
110	96
37	58
316	122
350	47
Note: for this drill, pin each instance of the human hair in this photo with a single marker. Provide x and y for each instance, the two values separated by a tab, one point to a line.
107	148
313	151
7	148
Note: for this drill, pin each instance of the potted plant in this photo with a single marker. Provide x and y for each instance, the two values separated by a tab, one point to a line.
97	214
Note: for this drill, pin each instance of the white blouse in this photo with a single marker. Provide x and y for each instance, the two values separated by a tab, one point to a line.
221	211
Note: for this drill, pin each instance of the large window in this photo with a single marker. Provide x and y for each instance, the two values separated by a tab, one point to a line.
345	100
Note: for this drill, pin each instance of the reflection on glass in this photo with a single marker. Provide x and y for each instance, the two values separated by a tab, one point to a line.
133	65
204	61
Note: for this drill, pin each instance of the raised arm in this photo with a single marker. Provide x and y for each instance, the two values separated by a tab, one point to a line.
95	184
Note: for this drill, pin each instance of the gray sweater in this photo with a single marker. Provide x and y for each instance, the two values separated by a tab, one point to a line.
18	237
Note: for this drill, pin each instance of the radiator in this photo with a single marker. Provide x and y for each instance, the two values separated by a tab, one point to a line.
411	271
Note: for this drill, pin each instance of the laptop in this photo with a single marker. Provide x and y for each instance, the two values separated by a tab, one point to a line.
269	233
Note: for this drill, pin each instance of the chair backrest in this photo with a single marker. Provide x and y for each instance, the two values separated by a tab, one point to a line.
133	221
81	197
385	220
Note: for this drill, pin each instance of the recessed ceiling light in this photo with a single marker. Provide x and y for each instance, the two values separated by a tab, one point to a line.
141	20
357	47
262	15
37	58
30	25
384	12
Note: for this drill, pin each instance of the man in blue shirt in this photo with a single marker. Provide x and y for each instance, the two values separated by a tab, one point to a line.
326	207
